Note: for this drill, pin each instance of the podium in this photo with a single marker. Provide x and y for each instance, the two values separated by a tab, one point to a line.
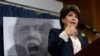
92	49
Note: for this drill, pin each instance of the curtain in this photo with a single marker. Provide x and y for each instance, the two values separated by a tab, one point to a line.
13	11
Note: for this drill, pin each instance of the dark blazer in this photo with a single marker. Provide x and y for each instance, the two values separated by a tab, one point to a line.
58	47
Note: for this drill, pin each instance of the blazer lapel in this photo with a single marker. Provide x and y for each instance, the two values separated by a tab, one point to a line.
71	44
81	40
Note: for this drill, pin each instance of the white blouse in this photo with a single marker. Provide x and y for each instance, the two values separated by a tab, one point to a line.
75	41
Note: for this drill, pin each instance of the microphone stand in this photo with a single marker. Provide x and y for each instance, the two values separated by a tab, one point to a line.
96	33
93	31
83	26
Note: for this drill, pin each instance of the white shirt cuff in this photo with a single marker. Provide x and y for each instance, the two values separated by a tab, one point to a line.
64	36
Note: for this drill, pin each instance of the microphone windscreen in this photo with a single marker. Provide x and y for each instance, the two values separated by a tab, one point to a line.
82	26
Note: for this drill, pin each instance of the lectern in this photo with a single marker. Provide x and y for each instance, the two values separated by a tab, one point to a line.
92	49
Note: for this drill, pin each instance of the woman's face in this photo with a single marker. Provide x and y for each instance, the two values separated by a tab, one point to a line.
70	19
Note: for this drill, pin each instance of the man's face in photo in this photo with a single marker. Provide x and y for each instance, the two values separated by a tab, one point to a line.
28	34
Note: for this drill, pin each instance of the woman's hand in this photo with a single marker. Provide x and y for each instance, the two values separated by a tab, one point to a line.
71	30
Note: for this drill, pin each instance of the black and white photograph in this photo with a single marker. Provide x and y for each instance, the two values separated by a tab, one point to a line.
27	36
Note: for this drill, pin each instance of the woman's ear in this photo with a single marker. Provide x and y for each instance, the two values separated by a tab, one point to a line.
63	20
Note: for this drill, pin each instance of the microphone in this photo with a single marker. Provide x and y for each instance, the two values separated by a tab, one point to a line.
83	26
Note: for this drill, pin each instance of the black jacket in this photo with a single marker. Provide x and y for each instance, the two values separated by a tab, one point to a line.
58	47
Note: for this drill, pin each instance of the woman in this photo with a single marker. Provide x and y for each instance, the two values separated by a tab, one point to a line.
67	41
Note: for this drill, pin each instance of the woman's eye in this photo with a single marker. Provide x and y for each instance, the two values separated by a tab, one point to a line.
76	16
70	14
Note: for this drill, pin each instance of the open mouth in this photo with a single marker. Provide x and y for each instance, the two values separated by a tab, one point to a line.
33	50
72	23
33	47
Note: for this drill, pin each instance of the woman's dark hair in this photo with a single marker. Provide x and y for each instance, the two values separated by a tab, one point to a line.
66	10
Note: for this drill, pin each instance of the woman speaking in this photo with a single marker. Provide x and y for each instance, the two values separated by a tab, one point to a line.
67	41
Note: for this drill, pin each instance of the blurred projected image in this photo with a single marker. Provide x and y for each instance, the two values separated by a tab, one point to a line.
27	36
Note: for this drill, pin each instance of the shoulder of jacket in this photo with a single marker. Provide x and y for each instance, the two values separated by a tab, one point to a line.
56	30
